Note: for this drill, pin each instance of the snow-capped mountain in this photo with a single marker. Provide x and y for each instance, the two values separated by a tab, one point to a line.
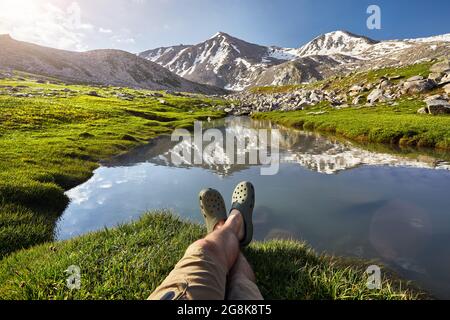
222	60
234	64
338	42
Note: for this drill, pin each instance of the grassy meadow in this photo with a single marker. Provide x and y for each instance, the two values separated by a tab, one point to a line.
53	139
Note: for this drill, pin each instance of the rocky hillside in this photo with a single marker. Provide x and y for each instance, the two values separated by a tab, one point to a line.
234	64
106	67
429	81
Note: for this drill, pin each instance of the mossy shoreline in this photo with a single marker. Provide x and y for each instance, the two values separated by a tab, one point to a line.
398	126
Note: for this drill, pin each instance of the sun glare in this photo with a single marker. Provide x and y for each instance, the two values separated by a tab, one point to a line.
18	9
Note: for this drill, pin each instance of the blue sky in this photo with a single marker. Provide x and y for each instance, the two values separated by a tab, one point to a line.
137	25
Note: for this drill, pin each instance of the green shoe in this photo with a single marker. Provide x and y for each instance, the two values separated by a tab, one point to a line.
212	207
243	199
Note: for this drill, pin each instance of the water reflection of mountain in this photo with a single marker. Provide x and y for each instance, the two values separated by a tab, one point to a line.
310	150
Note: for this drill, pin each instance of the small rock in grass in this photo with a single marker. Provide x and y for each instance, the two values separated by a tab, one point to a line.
396	77
86	135
129	138
93	93
317	113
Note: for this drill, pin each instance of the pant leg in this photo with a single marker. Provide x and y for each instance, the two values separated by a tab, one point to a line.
242	288
197	276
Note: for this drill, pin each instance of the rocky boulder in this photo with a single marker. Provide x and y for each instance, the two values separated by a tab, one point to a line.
357	100
438	106
447	88
356	90
418	85
441	66
435	77
445	79
376	96
415	78
384	84
125	96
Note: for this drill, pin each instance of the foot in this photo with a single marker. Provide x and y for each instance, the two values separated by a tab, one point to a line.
212	208
243	200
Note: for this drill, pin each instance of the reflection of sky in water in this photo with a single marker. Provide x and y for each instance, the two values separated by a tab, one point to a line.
396	214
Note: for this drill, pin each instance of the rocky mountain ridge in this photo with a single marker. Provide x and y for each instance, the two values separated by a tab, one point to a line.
234	64
101	67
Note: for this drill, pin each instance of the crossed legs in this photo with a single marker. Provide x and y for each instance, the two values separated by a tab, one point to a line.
213	268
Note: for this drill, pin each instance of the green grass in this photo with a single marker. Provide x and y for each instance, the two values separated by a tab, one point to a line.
52	143
130	261
396	125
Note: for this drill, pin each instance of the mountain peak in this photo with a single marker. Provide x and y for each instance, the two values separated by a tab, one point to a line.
337	42
344	34
220	34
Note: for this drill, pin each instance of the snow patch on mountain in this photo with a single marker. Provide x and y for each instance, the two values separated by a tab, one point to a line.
282	53
440	38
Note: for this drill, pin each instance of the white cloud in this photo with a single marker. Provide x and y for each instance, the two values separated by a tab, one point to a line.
104	30
121	37
44	23
125	40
